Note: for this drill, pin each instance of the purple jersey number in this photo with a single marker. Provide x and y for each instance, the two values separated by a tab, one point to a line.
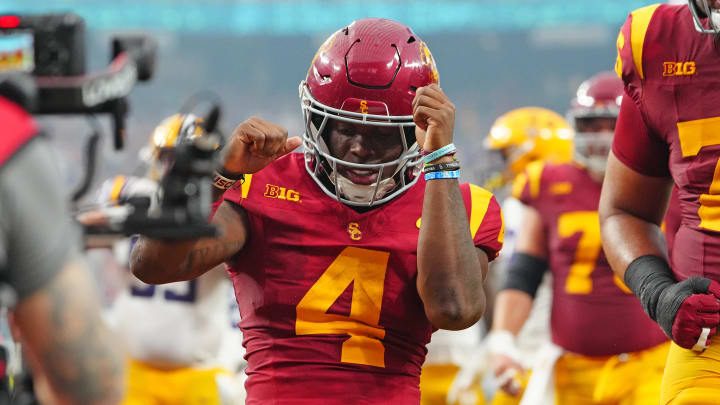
148	291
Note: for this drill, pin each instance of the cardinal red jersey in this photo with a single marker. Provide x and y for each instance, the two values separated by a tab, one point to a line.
327	295
669	124
671	224
593	312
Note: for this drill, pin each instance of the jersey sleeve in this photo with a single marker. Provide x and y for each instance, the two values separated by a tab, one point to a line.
527	185
235	194
239	191
487	226
630	46
636	146
35	229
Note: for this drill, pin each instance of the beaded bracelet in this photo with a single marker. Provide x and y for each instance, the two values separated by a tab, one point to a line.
442	167
437	154
442	175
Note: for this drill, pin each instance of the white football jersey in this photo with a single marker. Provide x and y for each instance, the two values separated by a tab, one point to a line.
453	346
177	324
182	324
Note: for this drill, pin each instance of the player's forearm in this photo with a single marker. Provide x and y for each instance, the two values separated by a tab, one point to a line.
157	262
626	237
512	309
450	273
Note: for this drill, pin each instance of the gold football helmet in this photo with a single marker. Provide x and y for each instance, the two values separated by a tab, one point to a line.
172	131
527	134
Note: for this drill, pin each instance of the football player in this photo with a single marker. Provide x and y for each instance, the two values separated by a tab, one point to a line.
173	333
345	258
667	134
522	136
612	353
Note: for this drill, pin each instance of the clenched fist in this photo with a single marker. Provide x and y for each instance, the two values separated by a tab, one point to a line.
434	117
256	143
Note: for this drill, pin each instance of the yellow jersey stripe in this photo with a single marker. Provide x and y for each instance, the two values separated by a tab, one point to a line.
479	202
246	185
501	234
534	171
640	23
117	187
618	61
519	185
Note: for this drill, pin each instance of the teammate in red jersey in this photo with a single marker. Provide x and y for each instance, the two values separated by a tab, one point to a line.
668	133
604	335
339	281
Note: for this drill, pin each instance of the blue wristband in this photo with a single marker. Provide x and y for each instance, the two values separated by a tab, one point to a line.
437	154
442	175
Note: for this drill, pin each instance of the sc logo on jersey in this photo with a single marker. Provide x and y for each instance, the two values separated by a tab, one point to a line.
679	68
353	230
281	193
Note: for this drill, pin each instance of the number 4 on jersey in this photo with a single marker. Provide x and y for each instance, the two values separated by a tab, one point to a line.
365	269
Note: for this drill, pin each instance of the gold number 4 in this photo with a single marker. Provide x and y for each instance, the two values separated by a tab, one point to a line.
587	252
365	269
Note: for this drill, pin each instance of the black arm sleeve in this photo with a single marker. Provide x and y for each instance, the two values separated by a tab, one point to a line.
37	237
525	273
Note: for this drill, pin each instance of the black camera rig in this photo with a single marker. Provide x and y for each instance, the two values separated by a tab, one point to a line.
43	68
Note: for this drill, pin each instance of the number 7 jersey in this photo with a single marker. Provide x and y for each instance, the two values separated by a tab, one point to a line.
327	295
593	312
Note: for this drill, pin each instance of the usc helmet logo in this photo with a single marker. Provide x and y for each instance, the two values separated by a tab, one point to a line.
426	59
353	231
364	107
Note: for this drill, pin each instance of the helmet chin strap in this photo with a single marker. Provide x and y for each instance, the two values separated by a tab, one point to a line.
715	19
363	192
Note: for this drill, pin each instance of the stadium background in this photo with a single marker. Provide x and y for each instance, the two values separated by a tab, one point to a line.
492	55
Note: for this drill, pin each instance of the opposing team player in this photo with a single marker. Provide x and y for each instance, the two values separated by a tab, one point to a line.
346	258
612	353
668	133
173	333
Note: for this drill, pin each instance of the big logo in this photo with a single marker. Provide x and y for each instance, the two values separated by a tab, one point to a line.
281	193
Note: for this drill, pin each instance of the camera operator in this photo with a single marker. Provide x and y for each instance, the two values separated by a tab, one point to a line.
56	310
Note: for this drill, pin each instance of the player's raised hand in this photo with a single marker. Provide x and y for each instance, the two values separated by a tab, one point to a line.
434	117
256	143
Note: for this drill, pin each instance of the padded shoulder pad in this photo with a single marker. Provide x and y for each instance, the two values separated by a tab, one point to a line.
630	43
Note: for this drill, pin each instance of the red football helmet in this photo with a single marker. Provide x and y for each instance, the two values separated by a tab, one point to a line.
593	114
366	73
700	10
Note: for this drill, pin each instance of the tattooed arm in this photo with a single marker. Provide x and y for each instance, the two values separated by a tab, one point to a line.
156	261
67	342
253	145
